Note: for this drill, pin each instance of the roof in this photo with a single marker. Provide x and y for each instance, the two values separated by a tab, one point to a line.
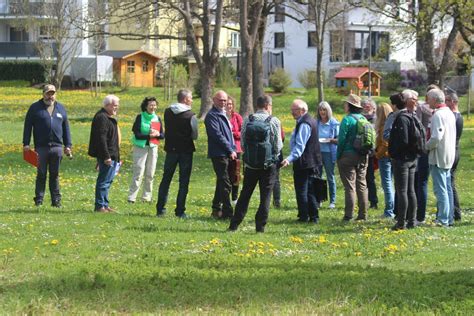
353	72
122	54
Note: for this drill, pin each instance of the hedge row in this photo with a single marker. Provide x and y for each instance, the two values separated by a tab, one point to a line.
32	71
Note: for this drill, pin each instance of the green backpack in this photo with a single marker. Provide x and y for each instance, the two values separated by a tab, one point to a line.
258	150
364	141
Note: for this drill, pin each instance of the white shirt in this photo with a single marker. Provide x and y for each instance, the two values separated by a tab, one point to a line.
442	143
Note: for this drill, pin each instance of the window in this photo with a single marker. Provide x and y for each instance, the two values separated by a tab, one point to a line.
18	34
235	40
279	39
279	13
311	38
145	65
130	66
354	45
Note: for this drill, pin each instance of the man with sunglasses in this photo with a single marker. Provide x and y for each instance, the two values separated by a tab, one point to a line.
47	119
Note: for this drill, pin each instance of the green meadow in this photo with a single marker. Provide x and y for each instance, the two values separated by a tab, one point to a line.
74	261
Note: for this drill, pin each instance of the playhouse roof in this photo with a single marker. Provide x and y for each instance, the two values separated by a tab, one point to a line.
354	72
123	54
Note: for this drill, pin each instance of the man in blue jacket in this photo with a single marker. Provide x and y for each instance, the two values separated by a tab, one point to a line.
47	119
220	149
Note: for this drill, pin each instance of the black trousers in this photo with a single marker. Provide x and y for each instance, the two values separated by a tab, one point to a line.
404	174
266	180
457	207
221	200
49	160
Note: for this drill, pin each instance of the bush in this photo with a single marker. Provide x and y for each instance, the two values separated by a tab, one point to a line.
225	74
308	79
280	80
392	81
179	76
31	71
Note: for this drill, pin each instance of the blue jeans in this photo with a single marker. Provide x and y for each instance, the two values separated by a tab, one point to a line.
329	166
305	195
385	168
104	181
443	193
421	186
185	161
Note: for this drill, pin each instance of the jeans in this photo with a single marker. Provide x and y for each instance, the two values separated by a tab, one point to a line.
385	168
421	186
144	164
49	158
104	181
185	162
265	179
370	179
352	169
441	187
457	207
404	174
329	166
305	195
221	200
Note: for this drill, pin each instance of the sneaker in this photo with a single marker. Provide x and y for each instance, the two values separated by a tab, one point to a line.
110	210
373	206
313	220
411	225
259	230
182	216
232	228
346	219
101	210
56	204
332	206
276	204
130	202
160	214
38	202
397	227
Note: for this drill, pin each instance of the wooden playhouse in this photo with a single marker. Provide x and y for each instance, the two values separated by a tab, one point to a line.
356	80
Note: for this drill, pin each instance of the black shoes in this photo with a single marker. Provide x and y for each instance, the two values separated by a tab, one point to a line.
398	227
277	204
56	204
38	202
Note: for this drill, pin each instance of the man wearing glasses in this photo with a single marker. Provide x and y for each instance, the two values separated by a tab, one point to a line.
47	119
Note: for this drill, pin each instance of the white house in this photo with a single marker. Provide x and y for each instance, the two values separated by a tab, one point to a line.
345	42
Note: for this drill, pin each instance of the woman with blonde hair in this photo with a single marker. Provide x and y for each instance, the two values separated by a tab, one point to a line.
385	165
328	129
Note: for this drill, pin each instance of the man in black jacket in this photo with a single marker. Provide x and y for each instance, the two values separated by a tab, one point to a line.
104	145
47	119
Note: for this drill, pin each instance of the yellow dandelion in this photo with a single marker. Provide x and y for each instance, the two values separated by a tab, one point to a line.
54	242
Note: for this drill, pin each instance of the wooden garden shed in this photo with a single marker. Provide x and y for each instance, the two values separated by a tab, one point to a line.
356	80
134	68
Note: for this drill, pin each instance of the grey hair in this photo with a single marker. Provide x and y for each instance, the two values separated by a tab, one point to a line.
110	99
263	100
369	101
325	106
407	94
453	96
301	104
437	95
183	93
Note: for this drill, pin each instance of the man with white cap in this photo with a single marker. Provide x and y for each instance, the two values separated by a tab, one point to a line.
47	119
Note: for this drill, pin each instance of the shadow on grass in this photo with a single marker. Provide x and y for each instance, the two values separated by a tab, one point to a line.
239	283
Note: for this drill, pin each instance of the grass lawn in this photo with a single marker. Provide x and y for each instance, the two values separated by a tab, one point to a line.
71	260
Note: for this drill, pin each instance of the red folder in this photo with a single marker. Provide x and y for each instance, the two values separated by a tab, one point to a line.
155	126
31	157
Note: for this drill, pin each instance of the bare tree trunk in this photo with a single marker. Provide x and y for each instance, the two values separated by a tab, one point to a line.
257	80
206	92
246	94
319	75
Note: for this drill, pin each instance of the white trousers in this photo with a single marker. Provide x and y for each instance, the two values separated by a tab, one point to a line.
144	164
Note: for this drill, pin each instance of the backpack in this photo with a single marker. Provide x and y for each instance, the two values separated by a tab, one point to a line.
258	150
364	141
417	135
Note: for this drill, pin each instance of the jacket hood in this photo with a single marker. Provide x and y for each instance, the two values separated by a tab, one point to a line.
179	108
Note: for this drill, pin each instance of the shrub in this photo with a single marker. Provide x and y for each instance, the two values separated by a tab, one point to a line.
280	80
308	79
31	71
180	76
392	81
225	74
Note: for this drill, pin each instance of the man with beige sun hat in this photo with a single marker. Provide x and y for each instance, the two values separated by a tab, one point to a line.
352	165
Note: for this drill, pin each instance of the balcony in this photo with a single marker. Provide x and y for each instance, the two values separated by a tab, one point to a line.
21	8
22	50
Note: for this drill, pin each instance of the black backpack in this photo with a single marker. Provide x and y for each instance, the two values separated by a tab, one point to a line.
417	139
258	149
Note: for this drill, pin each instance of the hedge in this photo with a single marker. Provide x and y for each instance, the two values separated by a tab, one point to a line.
32	71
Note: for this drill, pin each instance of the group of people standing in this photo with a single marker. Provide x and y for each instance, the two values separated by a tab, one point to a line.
412	140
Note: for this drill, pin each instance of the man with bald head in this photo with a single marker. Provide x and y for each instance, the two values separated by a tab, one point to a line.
220	149
306	158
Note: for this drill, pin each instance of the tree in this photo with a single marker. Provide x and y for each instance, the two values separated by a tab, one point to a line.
250	14
423	20
59	41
